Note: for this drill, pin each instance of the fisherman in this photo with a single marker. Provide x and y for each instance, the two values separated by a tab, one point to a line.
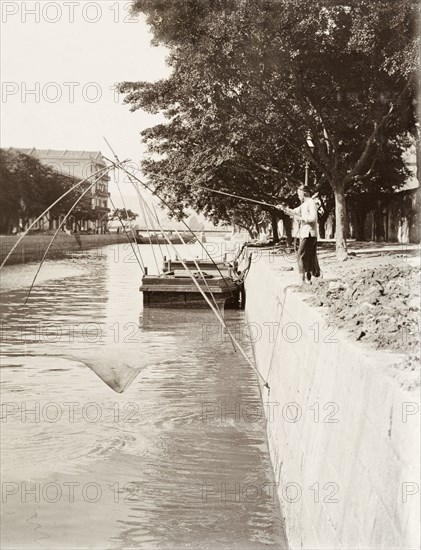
306	215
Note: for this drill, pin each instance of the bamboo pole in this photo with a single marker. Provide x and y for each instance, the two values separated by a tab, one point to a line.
148	209
116	164
193	278
238	197
232	338
285	209
216	311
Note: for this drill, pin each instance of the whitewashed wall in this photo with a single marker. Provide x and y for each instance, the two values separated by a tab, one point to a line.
343	432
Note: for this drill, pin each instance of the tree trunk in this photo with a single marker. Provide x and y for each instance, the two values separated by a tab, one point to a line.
340	222
286	220
288	229
322	232
322	224
360	217
255	223
275	233
249	230
5	225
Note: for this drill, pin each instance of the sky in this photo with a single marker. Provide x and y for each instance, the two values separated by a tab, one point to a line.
59	64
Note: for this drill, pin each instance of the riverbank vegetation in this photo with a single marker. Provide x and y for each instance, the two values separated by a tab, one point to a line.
263	91
29	187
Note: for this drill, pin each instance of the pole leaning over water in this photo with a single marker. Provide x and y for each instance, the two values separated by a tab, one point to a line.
238	196
144	206
236	345
278	206
164	203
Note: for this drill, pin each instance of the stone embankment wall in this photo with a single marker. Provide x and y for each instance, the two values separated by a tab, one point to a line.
343	432
32	247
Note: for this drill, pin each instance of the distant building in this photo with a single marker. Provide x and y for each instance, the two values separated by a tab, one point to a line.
400	219
80	165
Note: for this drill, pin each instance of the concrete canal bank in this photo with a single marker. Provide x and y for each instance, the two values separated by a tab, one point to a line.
32	247
343	431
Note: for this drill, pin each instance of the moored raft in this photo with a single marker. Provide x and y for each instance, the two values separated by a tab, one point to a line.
179	291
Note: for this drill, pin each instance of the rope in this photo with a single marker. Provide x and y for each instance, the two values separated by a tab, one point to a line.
277	333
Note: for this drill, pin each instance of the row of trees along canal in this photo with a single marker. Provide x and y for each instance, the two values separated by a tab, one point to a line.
253	80
28	187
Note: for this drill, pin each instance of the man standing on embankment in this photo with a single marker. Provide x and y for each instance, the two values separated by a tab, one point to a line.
306	215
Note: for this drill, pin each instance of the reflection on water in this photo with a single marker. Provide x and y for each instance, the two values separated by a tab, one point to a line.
171	461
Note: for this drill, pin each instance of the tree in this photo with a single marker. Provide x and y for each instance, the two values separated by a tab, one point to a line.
123	214
379	188
393	30
10	200
253	80
28	187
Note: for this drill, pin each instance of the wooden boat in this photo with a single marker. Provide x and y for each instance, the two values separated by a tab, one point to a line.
155	238
179	291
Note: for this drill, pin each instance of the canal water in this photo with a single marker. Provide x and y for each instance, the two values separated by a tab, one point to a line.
124	428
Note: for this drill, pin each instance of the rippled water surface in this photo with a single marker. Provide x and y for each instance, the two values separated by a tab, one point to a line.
124	428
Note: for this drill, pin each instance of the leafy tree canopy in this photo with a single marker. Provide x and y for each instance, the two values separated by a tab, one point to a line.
253	80
123	214
29	187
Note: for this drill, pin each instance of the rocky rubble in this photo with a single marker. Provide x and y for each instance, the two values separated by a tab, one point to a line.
377	305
